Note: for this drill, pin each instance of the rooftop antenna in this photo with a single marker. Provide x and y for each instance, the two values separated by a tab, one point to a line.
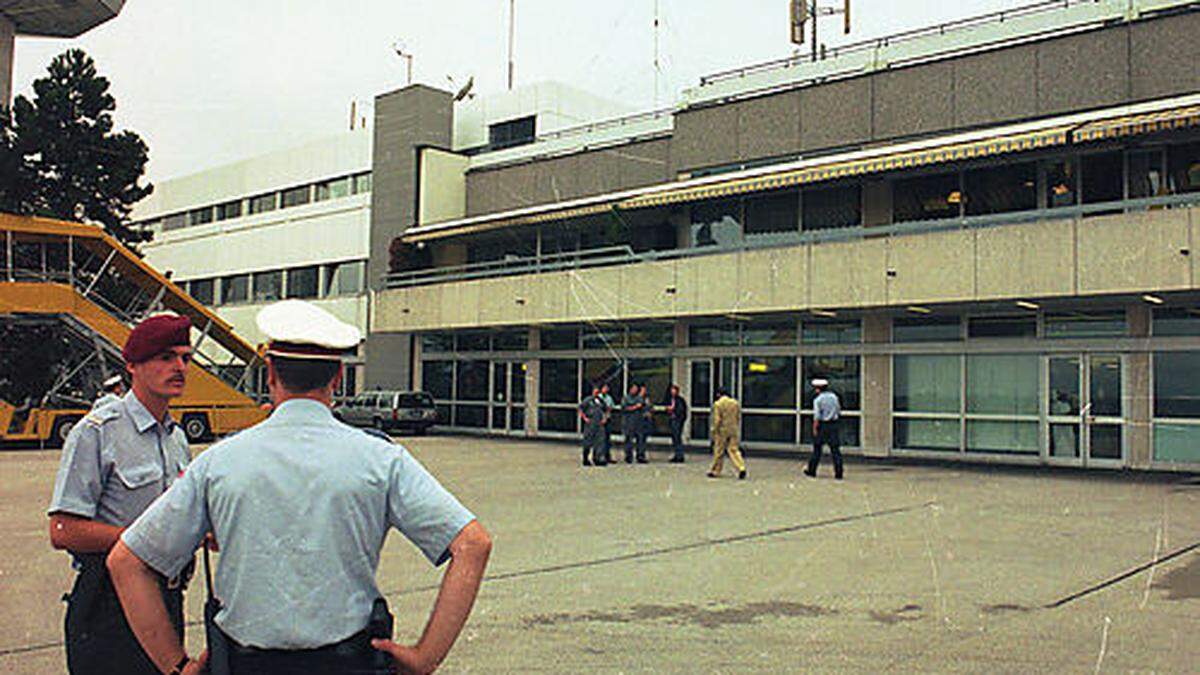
803	11
656	64
465	90
402	51
512	20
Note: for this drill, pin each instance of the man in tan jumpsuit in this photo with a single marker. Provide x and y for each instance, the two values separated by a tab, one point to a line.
726	425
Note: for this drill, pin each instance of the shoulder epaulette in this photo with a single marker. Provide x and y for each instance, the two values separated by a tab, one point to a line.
98	417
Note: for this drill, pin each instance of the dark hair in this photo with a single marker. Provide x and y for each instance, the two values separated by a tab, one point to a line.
301	375
720	391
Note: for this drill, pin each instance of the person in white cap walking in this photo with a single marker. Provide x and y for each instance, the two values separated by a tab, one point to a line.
827	410
301	505
112	390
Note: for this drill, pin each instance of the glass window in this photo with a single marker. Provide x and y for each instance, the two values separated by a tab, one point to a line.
849	430
472	342
1176	322
1084	325
773	213
831	332
1061	183
926	198
769	382
717	223
302	282
1102	176
926	330
603	371
470	416
202	290
505	245
701	385
1064	386
999	189
437	342
175	221
560	338
362	183
782	333
601	231
1002	384
229	210
699	427
557	419
1147	175
1104	386
1002	326
917	434
511	340
268	286
1176	443
296	196
596	337
512	132
235	288
654	373
1176	393
662	335
559	381
834	207
926	383
843	375
472	381
264	203
200	216
713	335
345	278
332	189
1183	167
437	378
1002	437
769	428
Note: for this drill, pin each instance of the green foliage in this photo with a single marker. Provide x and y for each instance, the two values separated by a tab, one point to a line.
59	155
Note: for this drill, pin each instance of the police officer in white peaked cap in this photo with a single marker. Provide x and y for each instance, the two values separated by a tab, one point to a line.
111	391
300	505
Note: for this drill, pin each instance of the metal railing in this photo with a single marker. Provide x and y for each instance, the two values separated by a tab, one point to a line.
625	255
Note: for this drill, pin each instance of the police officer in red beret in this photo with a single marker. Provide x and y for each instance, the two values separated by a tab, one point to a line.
115	462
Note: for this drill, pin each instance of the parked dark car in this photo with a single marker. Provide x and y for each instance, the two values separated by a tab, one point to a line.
386	410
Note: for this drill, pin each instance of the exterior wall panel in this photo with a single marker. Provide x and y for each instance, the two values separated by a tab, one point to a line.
913	101
773	279
1163	56
1083	71
835	114
594	294
994	87
1026	261
848	274
498	304
769	126
1133	252
936	267
645	291
705	137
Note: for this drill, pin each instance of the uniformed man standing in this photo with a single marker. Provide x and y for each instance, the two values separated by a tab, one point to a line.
301	505
592	412
607	399
631	421
677	410
115	462
112	390
647	427
827	411
725	429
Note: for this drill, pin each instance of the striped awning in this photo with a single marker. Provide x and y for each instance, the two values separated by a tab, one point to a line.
1144	123
951	152
516	220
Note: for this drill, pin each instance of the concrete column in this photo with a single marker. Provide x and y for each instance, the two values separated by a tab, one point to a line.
7	32
876	388
532	378
1137	394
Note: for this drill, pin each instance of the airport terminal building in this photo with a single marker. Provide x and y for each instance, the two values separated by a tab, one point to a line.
980	233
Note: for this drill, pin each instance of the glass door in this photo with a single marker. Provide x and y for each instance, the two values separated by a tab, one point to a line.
508	397
1084	419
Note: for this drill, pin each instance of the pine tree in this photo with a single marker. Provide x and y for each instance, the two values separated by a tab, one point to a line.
59	155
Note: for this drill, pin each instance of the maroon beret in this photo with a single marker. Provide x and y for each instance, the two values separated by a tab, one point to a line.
156	334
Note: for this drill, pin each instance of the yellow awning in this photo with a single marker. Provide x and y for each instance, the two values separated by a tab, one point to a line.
1145	123
951	152
515	220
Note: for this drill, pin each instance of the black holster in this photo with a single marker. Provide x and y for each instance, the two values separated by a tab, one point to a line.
217	643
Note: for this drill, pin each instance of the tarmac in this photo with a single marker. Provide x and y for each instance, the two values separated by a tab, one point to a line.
655	568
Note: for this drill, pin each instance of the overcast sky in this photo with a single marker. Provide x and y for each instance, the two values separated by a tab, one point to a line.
208	83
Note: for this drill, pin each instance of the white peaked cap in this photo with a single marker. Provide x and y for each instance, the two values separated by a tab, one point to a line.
820	382
300	329
112	382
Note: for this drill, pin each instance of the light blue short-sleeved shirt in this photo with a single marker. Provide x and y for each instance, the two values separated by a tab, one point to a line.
116	461
826	406
300	506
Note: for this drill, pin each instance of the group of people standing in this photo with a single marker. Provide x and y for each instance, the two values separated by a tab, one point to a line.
637	422
636	412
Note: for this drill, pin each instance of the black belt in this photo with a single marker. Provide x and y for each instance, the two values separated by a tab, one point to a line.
352	655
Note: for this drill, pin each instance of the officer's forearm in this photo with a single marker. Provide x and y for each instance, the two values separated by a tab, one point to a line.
468	557
141	600
82	535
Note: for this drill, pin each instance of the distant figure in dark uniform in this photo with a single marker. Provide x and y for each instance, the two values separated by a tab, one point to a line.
827	410
592	412
609	405
631	421
117	461
647	427
677	411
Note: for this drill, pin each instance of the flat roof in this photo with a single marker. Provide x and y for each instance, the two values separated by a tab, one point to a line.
61	18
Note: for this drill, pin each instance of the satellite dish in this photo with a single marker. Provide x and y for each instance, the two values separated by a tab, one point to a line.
465	90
